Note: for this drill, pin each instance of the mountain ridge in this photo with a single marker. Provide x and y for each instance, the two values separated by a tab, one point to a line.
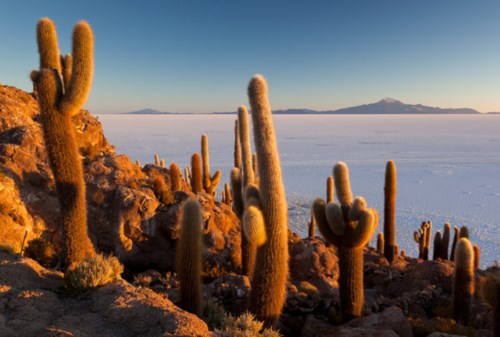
382	107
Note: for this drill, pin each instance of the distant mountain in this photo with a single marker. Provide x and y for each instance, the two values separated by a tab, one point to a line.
384	106
148	112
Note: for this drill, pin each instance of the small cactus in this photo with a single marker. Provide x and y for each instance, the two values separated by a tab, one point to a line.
464	232
477	256
445	241
189	255
390	210
311	226
227	195
456	236
237	145
329	189
463	283
437	246
175	177
162	163
157	160
380	243
271	270
209	182
423	238
196	175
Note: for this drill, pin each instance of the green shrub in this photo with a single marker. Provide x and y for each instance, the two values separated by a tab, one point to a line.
93	272
42	251
245	325
214	314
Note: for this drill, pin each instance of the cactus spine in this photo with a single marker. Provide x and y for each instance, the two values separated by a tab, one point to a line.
188	263
209	182
175	177
248	248
329	189
390	188
463	283
271	273
57	107
380	243
349	236
196	174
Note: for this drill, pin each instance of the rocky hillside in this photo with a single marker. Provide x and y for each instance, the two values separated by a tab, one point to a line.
129	218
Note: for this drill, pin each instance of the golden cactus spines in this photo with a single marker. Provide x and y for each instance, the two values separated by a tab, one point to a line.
57	107
463	283
67	68
82	71
390	189
271	273
175	177
330	190
188	257
342	184
357	208
48	47
196	173
253	226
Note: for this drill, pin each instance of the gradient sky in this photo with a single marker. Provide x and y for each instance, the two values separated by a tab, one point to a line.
198	56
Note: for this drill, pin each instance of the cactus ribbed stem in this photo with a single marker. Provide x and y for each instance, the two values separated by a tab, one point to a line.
175	177
246	151
189	255
205	157
352	294
271	273
390	210
463	283
342	183
330	191
196	174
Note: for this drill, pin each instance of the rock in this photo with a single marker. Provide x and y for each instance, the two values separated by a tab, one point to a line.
314	327
390	319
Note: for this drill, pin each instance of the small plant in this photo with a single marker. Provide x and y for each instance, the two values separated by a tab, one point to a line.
42	251
245	325
93	272
214	314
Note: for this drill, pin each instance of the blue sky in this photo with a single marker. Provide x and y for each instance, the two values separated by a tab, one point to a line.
198	56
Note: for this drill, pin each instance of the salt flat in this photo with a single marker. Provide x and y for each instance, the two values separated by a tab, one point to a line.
448	165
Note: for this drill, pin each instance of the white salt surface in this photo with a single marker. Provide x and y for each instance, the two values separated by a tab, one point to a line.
448	165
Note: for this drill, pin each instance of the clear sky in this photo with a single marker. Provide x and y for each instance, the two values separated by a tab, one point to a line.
198	56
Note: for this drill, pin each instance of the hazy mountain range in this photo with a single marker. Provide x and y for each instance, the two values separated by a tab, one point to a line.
384	106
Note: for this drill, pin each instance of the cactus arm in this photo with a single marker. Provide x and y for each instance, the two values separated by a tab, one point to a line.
342	183
319	211
48	47
237	145
330	189
67	67
82	70
335	219
253	226
246	153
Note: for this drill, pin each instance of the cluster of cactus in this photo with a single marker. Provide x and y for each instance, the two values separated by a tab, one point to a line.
62	86
266	213
389	236
227	197
189	256
240	179
210	183
423	238
349	227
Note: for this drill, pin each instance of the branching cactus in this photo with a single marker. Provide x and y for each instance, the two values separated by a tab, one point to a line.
58	105
271	270
490	294
189	255
210	183
463	283
445	241
196	174
423	238
390	210
349	227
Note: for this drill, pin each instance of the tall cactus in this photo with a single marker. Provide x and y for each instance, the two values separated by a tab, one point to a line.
188	263
463	283
348	227
390	188
57	107
209	182
196	174
248	248
271	273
